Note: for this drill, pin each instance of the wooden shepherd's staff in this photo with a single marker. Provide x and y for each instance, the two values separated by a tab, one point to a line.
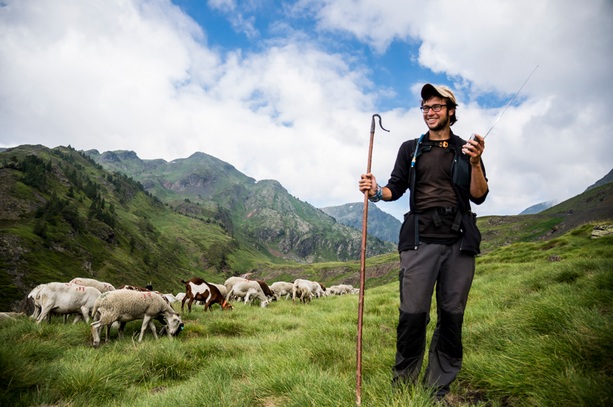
358	387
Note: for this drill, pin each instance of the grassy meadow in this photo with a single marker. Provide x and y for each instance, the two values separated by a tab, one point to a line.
537	332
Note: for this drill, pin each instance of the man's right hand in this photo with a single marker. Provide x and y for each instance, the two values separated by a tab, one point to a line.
368	182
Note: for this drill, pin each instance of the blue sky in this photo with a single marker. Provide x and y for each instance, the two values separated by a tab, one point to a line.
286	90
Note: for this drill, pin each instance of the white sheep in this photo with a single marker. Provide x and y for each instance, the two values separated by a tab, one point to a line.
315	288
37	306
318	289
91	282
302	290
32	297
230	282
66	298
248	290
340	289
127	305
282	288
170	298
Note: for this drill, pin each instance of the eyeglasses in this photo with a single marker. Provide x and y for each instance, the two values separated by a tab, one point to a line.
435	108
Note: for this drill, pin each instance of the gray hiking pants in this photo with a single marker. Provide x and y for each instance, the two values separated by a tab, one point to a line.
421	270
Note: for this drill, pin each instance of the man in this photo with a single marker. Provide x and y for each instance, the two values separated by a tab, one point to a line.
438	239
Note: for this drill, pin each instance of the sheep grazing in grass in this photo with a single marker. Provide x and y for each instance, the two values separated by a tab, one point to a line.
231	281
341	289
198	289
127	305
302	291
66	298
32	298
248	290
36	306
282	288
305	290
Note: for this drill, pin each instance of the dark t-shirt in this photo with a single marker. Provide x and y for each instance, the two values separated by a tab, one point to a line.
459	179
433	181
433	191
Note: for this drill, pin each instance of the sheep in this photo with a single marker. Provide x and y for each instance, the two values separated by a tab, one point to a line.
282	288
90	282
334	290
229	283
198	289
127	305
266	290
32	297
318	289
36	306
302	290
66	298
248	289
170	298
306	290
340	289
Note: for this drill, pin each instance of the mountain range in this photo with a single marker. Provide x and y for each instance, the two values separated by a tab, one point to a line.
112	216
118	218
380	224
260	212
386	227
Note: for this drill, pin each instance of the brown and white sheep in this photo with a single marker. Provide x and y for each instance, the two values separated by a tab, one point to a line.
199	290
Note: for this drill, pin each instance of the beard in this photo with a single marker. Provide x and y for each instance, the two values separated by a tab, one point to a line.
440	124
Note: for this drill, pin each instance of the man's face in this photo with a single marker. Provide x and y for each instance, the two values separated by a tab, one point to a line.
437	120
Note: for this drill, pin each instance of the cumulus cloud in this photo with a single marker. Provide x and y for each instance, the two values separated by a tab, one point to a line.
553	143
142	75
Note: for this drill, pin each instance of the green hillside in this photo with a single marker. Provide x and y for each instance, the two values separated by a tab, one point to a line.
538	332
259	214
63	216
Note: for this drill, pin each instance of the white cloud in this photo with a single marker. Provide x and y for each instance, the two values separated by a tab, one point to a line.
555	143
139	75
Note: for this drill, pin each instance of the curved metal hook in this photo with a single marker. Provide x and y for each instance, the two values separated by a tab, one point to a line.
372	124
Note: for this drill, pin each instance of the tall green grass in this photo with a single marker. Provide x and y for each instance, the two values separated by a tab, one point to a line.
537	333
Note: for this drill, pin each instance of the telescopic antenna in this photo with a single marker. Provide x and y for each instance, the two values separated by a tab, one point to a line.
510	101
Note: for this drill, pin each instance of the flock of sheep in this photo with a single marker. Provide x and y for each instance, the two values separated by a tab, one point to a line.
107	306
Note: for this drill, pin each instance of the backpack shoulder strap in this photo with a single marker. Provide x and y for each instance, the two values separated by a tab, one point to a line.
414	153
